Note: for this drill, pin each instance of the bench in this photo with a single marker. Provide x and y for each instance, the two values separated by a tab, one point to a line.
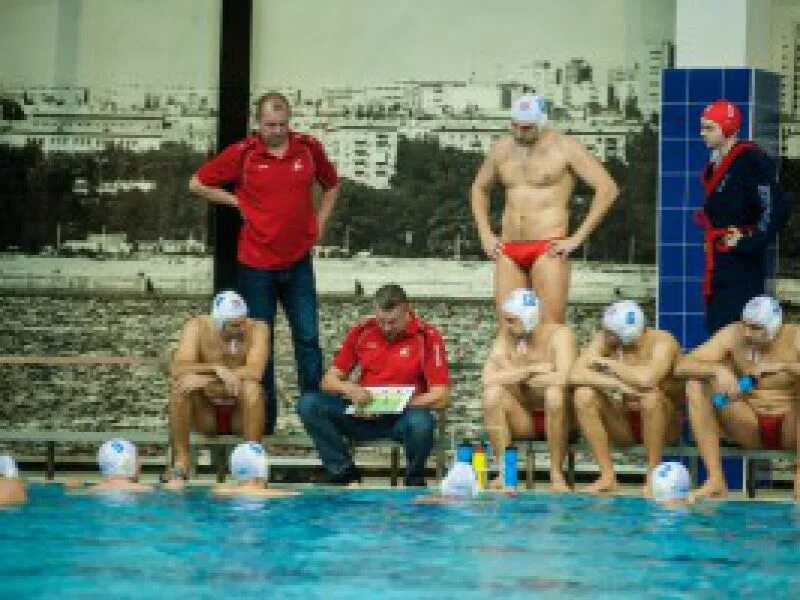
222	443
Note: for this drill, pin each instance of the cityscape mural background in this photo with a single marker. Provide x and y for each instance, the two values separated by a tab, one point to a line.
108	107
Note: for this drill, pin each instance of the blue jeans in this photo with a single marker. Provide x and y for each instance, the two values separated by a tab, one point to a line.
294	287
324	418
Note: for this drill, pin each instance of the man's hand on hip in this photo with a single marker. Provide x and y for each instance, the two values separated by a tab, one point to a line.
491	246
563	247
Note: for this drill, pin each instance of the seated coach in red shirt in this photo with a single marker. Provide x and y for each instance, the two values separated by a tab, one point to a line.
273	173
392	348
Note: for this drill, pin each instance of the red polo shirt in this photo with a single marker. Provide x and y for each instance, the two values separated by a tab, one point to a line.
417	357
275	196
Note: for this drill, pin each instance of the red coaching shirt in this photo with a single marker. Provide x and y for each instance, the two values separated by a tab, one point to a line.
417	357
275	196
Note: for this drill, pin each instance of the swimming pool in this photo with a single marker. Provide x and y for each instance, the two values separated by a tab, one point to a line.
375	544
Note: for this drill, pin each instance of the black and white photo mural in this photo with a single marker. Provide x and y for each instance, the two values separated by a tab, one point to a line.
109	106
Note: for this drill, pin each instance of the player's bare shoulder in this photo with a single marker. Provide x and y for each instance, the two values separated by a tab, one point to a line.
501	149
789	337
661	336
555	148
194	327
566	143
257	326
562	145
551	136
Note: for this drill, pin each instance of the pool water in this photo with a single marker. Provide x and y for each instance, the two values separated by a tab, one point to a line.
376	544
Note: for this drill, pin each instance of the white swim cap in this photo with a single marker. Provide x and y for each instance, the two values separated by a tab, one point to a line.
529	109
764	311
117	458
460	481
670	481
8	467
523	304
227	305
249	461
625	320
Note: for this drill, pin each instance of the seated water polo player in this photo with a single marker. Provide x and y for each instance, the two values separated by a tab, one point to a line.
538	168
625	392
12	487
250	470
744	382
215	375
525	382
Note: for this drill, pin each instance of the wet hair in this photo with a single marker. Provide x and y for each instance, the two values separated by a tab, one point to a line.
389	296
275	100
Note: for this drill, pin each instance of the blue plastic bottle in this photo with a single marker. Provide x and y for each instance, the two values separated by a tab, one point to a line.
510	467
464	452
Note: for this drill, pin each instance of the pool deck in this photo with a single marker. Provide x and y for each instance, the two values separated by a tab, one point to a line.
382	483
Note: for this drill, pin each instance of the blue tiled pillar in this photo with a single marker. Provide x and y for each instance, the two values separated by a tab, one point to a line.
685	93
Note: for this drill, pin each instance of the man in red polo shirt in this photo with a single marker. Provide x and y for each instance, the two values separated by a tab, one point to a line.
392	348
273	173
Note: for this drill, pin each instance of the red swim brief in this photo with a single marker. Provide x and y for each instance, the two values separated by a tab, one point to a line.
525	254
635	420
224	418
539	430
770	428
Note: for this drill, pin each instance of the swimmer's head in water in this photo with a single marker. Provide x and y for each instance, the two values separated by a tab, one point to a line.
227	306
460	482
762	317
8	467
521	306
720	120
528	116
249	461
670	482
625	321
117	458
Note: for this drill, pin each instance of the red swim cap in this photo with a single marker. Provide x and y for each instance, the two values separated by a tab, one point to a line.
725	114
